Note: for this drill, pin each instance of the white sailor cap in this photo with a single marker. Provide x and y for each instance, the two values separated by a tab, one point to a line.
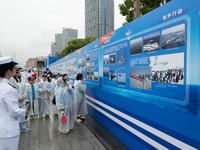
6	62
17	68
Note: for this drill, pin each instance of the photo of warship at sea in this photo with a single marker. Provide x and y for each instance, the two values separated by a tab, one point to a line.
152	42
173	37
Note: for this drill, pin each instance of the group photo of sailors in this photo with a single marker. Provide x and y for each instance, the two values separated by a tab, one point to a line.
170	76
26	95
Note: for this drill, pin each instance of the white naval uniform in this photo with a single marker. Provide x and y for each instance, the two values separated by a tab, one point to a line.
22	92
9	113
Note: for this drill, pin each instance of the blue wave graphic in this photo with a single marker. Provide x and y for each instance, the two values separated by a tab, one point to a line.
190	107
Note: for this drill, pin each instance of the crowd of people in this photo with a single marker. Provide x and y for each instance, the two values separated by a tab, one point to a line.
167	76
25	99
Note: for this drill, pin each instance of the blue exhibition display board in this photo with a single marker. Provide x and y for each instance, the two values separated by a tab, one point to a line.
51	59
151	61
143	79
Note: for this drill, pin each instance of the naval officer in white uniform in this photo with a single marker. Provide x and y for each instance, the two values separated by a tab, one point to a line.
9	110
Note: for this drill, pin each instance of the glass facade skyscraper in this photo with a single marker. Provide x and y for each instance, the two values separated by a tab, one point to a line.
53	48
58	43
99	17
68	35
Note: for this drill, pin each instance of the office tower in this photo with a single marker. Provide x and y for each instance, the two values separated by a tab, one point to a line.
53	49
67	35
99	17
58	43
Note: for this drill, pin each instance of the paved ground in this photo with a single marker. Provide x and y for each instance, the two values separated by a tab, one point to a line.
89	135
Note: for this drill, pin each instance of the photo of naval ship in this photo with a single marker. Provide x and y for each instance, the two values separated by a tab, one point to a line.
121	58
173	37
151	47
152	42
136	46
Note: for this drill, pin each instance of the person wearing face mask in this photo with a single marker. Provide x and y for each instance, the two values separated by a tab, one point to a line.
22	96
65	104
9	109
80	99
44	91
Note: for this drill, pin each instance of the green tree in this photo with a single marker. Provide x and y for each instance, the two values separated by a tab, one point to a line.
147	6
75	44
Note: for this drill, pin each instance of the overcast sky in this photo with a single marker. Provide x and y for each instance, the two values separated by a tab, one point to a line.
28	27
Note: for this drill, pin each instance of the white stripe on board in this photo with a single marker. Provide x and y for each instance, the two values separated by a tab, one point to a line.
129	128
150	129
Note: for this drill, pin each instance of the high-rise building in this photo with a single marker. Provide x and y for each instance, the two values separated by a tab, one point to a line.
53	49
58	43
99	17
68	35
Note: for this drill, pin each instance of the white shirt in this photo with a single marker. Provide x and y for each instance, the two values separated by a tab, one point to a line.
9	110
